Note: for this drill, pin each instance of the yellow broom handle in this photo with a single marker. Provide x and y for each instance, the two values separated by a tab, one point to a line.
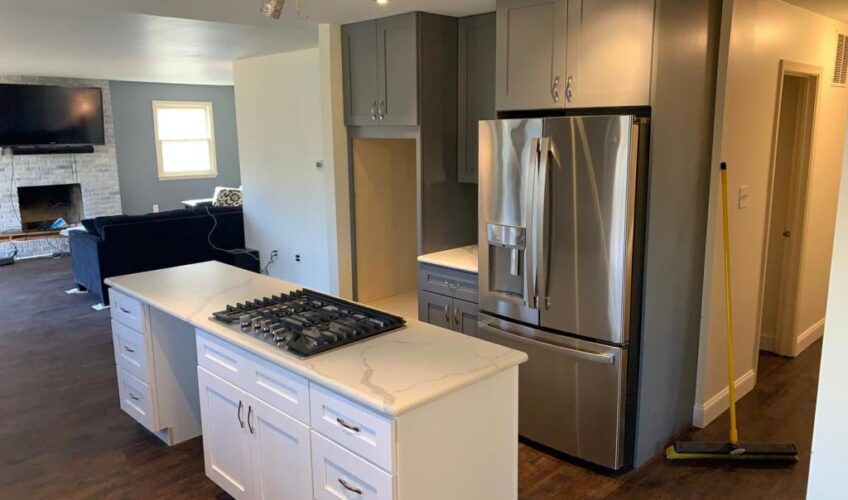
731	376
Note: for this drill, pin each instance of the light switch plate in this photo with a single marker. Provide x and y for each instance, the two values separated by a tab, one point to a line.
743	196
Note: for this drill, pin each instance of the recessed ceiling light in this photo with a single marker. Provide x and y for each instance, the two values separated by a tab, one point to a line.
272	8
382	2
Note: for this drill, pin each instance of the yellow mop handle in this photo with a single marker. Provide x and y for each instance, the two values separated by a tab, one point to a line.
731	376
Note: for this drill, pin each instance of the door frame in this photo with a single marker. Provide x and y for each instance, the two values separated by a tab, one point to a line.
791	278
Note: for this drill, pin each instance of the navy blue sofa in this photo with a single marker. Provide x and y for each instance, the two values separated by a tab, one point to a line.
126	244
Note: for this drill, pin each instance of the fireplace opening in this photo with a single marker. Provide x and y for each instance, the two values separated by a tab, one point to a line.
41	206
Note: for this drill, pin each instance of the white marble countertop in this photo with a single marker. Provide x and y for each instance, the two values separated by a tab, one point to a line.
462	259
391	373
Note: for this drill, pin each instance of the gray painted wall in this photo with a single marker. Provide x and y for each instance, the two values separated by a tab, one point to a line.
133	114
683	99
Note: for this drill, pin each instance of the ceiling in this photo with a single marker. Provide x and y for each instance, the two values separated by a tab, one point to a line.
837	9
178	41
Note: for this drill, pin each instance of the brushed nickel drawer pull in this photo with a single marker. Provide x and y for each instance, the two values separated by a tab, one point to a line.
129	349
134	397
125	310
347	425
349	487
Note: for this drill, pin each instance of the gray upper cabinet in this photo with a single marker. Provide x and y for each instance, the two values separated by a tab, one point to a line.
555	54
476	79
610	53
531	50
380	64
359	64
397	70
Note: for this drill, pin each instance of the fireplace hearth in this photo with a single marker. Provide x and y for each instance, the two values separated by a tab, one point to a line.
40	206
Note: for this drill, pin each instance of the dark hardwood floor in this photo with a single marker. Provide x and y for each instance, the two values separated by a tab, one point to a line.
62	434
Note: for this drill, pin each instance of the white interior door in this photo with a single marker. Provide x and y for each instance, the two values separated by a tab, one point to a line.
226	443
280	454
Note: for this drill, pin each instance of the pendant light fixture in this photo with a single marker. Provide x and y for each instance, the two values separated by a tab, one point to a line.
272	8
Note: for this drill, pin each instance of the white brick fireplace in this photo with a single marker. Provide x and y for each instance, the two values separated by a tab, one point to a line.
97	174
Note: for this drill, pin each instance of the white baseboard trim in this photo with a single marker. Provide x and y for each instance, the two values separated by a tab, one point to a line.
718	404
809	336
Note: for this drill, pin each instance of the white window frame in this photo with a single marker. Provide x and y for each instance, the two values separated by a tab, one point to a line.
213	161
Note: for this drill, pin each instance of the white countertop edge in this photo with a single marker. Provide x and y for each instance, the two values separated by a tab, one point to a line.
509	360
461	259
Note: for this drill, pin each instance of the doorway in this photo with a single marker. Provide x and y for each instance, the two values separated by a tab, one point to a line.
385	223
791	158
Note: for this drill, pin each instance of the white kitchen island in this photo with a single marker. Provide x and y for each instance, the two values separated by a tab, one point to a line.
417	413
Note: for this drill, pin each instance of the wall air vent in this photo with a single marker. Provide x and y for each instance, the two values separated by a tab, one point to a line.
840	72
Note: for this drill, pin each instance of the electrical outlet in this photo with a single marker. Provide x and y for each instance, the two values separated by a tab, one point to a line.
155	208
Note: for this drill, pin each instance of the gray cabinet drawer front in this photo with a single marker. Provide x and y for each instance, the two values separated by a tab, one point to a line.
448	282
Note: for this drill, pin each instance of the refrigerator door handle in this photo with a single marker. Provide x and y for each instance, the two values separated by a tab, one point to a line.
531	294
542	240
545	340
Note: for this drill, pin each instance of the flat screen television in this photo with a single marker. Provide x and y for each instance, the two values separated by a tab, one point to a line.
39	115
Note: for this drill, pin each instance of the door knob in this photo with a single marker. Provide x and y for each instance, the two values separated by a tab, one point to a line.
787	234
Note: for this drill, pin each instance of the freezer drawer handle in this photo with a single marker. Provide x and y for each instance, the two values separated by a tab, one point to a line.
605	358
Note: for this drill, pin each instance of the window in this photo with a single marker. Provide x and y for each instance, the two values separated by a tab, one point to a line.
185	139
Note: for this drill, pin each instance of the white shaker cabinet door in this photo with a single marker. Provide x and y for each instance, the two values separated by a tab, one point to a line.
226	439
282	466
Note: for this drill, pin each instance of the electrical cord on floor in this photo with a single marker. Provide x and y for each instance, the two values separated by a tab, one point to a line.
237	251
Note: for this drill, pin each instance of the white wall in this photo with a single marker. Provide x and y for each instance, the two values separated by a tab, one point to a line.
278	112
830	435
334	134
761	34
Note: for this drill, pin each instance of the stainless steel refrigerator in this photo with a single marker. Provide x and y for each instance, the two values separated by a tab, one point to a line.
561	231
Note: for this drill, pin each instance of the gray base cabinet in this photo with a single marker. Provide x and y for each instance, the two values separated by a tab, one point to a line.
448	298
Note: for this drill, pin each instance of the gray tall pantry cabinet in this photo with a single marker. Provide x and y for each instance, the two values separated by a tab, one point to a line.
476	80
559	54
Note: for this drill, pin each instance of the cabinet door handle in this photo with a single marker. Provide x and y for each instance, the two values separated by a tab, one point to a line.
569	94
456	315
250	418
129	349
555	89
381	110
348	487
238	414
347	425
447	313
374	110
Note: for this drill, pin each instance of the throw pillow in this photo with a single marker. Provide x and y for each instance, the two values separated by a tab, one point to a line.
227	197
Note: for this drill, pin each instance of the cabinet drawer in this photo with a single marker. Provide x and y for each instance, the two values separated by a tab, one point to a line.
130	351
127	310
362	431
222	359
338	473
137	399
280	388
448	282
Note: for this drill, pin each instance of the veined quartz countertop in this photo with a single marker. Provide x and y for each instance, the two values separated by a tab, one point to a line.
391	373
462	259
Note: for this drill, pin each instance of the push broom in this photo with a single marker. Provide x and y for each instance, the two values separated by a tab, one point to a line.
733	450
